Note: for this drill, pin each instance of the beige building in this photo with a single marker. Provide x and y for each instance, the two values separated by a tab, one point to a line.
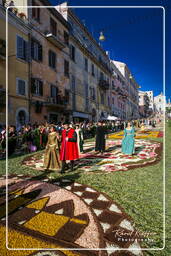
118	93
90	71
144	104
18	69
131	88
49	54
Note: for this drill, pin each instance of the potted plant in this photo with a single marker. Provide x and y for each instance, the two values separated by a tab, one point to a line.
15	10
22	15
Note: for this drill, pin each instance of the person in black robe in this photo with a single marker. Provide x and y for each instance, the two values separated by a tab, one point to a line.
100	137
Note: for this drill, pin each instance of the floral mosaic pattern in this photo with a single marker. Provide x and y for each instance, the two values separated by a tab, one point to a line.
139	134
146	153
63	214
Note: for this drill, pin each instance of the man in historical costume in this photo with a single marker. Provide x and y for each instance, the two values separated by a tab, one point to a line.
100	137
80	139
69	147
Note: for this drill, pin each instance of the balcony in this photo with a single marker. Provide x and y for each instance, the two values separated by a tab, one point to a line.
56	40
103	84
59	101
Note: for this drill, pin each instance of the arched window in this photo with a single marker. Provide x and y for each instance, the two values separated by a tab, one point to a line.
21	117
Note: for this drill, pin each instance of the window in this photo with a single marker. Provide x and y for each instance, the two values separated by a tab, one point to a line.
22	48
66	37
21	118
66	68
101	76
35	11
108	101
36	87
92	93
102	98
66	96
52	59
21	87
53	26
86	64
54	91
72	52
92	69
36	50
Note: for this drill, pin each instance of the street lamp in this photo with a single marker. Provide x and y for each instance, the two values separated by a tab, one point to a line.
101	37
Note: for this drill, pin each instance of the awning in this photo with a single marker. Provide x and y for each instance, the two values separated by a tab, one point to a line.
80	114
113	118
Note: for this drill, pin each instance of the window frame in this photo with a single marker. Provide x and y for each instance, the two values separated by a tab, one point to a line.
53	29
50	59
66	73
17	86
24	55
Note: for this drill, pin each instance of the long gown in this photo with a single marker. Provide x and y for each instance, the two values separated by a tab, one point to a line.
51	160
100	138
128	142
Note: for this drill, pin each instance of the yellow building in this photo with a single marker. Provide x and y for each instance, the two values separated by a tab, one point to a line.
49	53
18	69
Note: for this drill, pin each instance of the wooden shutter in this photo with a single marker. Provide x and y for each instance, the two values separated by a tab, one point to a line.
40	52
33	86
32	48
20	47
41	87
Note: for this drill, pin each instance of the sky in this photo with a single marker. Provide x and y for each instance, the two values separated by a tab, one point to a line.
133	36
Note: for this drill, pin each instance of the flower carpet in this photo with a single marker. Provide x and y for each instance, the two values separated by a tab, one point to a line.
61	213
139	134
146	153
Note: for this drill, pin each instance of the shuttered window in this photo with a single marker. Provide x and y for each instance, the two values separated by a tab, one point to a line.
52	59
22	48
36	50
54	91
21	87
53	26
36	87
35	11
66	68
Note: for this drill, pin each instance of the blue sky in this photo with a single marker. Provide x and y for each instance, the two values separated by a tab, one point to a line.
133	36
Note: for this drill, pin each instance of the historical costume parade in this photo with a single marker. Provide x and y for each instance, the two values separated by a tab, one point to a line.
69	147
100	137
128	141
51	160
80	138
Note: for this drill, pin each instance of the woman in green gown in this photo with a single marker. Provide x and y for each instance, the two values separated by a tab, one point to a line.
51	159
128	142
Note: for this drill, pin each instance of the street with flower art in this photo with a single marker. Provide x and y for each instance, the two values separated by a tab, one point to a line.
146	152
85	208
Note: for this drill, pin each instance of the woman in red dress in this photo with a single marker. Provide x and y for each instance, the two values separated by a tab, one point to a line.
69	147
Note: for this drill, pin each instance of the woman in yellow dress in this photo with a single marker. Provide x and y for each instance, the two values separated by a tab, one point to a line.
51	160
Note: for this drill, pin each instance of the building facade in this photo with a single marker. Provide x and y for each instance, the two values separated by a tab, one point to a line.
130	86
159	103
118	93
151	100
49	60
90	71
61	72
18	69
144	103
